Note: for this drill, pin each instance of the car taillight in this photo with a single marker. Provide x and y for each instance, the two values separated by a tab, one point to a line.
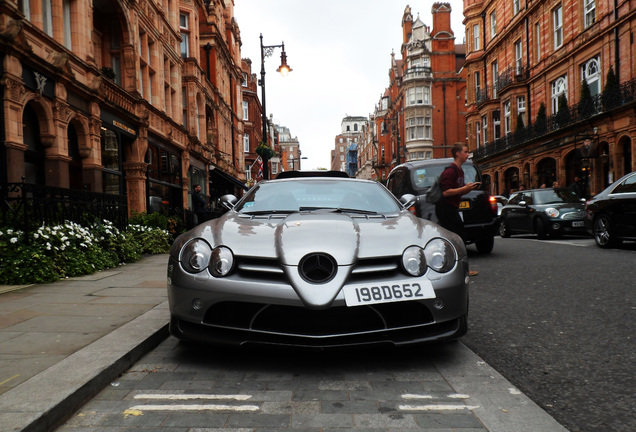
493	204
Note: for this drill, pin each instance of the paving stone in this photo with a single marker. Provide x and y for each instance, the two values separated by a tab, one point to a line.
320	395
349	407
290	407
196	419
447	420
259	420
390	421
322	420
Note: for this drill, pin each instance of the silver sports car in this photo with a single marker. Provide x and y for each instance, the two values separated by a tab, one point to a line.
318	262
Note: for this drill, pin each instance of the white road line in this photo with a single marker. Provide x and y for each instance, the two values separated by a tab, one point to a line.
437	407
192	396
195	407
450	396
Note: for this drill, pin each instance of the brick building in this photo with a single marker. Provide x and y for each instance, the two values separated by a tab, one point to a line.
543	104
134	99
252	122
421	114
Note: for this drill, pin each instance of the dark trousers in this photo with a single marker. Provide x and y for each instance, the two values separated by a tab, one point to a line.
448	217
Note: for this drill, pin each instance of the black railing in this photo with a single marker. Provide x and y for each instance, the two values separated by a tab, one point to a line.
581	111
26	205
513	75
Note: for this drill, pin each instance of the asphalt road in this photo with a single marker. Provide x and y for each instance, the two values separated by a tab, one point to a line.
557	319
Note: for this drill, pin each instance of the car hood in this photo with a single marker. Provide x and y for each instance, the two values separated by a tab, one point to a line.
563	207
288	238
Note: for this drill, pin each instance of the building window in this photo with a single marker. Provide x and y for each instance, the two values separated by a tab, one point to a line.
590	12
427	95
518	57
47	18
493	24
476	45
521	109
184	104
559	87
415	96
246	111
477	82
246	143
496	124
427	128
415	128
495	79
244	82
507	118
537	42
477	135
484	129
66	11
516	6
185	35
592	74
557	26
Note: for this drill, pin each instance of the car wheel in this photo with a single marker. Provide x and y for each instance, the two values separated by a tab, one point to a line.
503	230
485	246
602	232
540	228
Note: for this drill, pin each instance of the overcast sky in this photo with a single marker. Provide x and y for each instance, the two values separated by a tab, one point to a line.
340	54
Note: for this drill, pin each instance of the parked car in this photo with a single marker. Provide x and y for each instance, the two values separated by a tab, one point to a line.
478	208
501	202
545	212
611	215
318	262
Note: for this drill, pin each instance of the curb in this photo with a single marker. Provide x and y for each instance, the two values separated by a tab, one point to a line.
46	400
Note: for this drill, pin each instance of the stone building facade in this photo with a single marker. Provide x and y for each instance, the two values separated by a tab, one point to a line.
131	98
551	91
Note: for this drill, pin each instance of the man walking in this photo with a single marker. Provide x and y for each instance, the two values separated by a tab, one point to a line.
453	187
198	205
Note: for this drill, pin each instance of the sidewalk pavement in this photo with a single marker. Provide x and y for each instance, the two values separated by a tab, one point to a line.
61	343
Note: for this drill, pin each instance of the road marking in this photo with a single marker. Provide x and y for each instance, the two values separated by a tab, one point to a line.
450	396
192	396
193	407
448	407
139	409
9	379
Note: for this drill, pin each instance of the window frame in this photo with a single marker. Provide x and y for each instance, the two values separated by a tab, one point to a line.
557	27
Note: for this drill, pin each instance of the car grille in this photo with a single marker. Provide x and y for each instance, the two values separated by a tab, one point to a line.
271	269
292	325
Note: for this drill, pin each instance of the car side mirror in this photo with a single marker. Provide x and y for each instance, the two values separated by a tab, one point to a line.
228	201
522	203
408	200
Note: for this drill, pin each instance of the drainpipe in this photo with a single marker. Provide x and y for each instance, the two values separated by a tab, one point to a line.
617	54
444	111
528	104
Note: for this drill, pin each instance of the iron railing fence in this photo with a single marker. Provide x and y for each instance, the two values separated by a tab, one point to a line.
579	112
26	205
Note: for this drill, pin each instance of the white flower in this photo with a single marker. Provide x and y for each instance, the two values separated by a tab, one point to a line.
14	239
9	231
36	235
48	246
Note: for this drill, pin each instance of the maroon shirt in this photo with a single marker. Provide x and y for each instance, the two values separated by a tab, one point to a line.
452	178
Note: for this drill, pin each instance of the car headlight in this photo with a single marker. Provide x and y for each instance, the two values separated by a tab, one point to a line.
414	261
195	256
440	255
552	212
221	262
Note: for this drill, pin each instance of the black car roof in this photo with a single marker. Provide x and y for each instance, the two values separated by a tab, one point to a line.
316	173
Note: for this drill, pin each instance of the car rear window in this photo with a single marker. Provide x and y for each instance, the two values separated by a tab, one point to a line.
424	177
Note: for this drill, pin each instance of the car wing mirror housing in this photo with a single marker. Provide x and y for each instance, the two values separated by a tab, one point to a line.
522	203
408	200
228	201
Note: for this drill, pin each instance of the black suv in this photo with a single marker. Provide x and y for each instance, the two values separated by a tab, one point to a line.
479	209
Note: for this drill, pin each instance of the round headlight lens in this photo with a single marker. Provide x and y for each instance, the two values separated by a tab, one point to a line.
440	255
414	261
195	256
552	212
221	262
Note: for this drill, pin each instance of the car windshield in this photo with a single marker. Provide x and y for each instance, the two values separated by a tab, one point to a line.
555	196
290	196
424	177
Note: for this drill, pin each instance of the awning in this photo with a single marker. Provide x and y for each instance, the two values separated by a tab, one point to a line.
214	171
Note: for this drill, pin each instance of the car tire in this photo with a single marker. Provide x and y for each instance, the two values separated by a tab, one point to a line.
504	232
541	229
486	245
602	232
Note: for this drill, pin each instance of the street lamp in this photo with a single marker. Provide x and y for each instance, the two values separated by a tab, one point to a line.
284	69
293	159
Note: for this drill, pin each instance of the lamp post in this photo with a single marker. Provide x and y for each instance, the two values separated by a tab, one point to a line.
293	159
284	69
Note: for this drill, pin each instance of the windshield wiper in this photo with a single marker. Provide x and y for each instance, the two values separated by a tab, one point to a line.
264	212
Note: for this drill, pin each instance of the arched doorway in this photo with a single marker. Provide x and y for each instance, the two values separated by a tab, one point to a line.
511	180
546	172
34	172
572	168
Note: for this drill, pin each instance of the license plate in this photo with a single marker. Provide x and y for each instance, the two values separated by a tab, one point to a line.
578	224
356	295
464	204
